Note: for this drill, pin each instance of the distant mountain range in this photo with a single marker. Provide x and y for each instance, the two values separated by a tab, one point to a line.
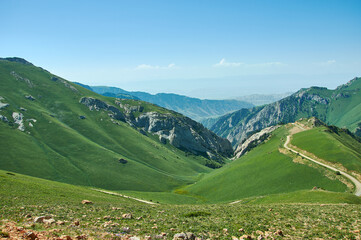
195	108
262	99
340	107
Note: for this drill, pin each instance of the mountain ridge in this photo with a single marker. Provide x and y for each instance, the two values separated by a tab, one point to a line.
341	107
194	108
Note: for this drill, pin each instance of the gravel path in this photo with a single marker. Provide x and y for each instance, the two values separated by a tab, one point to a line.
354	180
124	196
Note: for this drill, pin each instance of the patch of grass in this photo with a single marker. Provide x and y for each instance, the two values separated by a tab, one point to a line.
197	214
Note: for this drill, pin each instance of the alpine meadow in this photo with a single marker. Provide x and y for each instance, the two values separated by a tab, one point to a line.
189	120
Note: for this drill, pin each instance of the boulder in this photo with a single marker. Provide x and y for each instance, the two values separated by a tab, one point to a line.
127	216
86	202
184	236
29	97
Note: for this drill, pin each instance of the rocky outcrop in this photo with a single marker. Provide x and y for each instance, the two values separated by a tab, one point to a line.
3	105
180	131
19	120
254	141
184	133
96	104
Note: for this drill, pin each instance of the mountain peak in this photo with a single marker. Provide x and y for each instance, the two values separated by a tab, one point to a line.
17	59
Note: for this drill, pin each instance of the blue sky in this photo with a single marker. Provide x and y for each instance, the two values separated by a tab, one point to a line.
206	49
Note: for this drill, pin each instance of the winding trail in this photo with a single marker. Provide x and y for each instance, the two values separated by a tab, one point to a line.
124	196
354	180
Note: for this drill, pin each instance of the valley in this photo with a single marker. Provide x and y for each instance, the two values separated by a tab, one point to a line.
62	144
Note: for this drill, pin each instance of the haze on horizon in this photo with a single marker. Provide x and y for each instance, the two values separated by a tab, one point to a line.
205	49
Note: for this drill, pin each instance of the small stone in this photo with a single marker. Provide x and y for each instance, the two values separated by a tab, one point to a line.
279	232
106	217
49	221
39	219
270	210
60	222
246	237
127	216
225	230
172	229
81	237
234	238
163	234
126	229
241	230
30	235
139	218
148	238
65	237
86	202
258	232
134	238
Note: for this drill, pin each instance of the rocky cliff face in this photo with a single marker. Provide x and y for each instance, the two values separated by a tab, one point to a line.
254	141
330	106
180	131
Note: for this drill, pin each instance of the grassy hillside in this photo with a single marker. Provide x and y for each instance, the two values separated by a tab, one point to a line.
69	143
332	144
262	171
23	198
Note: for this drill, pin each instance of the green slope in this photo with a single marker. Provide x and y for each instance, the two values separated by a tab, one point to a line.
262	171
332	144
63	147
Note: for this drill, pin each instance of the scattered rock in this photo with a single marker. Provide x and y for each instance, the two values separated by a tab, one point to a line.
29	97
82	117
241	230
86	202
53	78
127	216
23	109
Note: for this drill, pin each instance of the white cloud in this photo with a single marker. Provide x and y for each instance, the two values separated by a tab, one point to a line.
224	63
327	63
148	67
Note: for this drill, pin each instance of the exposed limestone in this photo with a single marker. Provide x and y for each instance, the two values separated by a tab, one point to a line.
3	105
180	131
29	97
20	78
96	104
18	119
254	141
